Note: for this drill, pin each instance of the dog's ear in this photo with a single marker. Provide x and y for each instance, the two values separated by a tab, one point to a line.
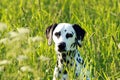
49	33
80	33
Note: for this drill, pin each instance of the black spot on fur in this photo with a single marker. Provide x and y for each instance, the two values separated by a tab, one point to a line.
79	60
67	53
60	71
61	60
71	64
76	74
82	62
64	57
57	34
69	35
65	72
84	76
68	61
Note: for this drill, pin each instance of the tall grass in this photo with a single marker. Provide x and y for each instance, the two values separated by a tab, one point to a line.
24	53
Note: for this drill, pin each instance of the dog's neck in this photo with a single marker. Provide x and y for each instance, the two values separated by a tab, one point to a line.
69	53
66	57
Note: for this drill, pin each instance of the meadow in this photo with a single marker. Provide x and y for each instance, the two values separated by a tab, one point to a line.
25	54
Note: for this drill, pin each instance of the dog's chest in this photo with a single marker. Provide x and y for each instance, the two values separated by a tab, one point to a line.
66	58
69	60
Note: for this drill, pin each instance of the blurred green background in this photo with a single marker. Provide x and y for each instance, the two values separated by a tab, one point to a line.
24	53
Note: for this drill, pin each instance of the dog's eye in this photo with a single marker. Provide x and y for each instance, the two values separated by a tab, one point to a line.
69	35
57	34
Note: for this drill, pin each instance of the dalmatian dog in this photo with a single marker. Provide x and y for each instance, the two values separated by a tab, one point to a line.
66	38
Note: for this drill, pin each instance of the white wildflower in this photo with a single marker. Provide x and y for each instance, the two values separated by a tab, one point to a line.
47	70
39	78
23	30
118	79
43	58
22	57
2	68
36	39
26	69
3	26
3	62
119	45
4	40
13	34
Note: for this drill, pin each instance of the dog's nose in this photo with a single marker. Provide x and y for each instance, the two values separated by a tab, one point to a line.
62	46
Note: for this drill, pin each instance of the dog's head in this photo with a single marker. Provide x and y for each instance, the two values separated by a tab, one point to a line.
65	36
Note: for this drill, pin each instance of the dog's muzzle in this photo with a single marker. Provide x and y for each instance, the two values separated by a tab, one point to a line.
61	47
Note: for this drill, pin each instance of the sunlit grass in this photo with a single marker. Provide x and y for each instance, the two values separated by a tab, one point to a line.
24	53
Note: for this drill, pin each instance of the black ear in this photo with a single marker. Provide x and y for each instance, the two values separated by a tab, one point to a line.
80	33
49	33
